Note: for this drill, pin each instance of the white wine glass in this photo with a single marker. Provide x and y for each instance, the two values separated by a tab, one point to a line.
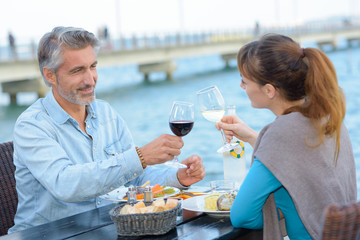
212	107
181	121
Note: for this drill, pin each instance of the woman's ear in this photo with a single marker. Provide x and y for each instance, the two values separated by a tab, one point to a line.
49	75
269	90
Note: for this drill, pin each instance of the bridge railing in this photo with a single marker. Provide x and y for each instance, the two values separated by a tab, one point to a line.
175	39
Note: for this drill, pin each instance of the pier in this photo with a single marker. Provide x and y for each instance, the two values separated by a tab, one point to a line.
157	53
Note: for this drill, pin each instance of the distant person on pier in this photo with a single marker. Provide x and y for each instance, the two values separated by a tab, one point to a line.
12	45
257	29
303	160
104	37
70	148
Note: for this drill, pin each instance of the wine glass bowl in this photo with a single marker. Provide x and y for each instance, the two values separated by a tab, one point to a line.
212	107
181	121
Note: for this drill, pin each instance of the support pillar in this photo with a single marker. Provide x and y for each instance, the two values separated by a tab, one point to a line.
29	85
168	67
227	57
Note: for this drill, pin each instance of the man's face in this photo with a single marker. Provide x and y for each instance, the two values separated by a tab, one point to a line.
77	76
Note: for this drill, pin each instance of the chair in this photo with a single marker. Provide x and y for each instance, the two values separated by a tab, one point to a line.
8	194
341	222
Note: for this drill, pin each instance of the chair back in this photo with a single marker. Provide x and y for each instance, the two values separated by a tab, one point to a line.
341	222
8	194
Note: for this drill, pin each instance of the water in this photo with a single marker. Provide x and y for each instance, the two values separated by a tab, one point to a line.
146	106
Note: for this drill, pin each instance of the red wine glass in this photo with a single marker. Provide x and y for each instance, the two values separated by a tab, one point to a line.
181	121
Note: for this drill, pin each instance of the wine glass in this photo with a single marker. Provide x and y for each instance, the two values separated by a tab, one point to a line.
181	122
212	107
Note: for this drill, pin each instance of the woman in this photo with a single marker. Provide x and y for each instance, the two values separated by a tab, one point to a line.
303	160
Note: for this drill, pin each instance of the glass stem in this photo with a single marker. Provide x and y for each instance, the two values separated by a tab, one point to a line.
223	136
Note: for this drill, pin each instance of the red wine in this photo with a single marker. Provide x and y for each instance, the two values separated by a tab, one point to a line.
181	127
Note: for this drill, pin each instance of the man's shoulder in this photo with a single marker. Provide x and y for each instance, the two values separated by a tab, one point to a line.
103	109
33	112
102	106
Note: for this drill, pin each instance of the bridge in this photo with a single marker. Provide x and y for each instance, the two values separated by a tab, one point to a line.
157	53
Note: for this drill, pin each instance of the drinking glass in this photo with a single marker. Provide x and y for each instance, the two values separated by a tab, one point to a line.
212	107
181	121
224	186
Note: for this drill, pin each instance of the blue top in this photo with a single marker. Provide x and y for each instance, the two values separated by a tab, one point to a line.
246	211
61	171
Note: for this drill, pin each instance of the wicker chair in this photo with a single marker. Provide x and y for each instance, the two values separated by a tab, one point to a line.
8	194
341	222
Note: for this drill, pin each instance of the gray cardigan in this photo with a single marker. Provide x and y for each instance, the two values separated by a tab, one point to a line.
309	174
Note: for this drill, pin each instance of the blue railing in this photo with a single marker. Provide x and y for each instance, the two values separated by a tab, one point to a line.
162	40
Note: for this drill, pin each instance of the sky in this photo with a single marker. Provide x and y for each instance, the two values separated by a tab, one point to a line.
28	20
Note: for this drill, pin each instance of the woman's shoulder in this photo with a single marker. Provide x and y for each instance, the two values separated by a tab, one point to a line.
288	125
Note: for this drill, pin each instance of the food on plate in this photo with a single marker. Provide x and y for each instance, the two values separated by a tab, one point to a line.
156	206
225	201
185	195
157	191
219	201
211	201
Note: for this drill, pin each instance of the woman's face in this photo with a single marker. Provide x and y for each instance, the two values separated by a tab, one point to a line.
255	92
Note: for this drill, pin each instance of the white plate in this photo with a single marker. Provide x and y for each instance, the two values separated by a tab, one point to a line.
118	194
197	204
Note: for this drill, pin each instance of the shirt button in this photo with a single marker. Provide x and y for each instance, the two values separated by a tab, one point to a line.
111	188
88	126
98	202
135	174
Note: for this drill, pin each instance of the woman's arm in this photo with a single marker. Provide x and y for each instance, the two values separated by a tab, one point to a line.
246	211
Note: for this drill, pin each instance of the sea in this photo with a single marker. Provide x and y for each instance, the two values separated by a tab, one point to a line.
145	106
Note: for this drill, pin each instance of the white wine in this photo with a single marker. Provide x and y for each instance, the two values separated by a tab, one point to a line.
213	115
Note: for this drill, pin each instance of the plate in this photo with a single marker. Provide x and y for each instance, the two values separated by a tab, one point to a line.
197	204
117	194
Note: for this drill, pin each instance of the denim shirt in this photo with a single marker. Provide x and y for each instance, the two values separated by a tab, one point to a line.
61	171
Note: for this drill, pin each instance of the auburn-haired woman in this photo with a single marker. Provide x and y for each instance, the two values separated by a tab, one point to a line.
303	160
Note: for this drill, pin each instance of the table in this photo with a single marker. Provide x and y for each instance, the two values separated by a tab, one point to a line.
96	224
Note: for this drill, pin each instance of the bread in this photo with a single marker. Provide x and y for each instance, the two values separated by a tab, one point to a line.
171	203
159	202
146	209
125	209
157	206
140	204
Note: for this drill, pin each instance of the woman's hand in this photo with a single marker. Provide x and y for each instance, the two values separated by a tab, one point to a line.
233	126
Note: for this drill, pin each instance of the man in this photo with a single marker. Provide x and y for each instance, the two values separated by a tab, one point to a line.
69	148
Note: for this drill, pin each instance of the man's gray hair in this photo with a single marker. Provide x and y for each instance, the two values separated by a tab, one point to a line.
52	44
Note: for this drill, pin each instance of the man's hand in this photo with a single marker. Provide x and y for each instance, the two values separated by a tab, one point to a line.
194	172
162	149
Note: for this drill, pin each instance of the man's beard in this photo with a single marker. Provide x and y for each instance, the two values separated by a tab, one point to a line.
74	96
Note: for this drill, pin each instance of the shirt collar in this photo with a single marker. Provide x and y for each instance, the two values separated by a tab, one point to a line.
90	110
58	113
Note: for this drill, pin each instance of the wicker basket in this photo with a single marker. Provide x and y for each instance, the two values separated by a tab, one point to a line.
140	224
